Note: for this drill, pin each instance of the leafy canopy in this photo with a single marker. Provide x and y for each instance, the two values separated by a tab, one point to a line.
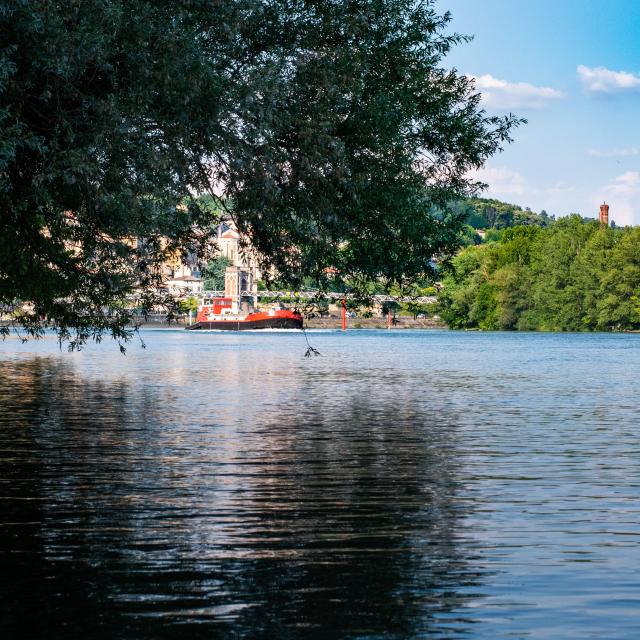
574	275
330	131
213	273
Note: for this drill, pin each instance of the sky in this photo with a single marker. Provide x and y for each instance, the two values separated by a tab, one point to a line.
572	69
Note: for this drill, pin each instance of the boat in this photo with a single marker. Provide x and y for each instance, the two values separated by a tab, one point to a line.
220	313
234	308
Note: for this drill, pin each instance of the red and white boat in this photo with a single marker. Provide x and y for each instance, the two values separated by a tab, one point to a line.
222	313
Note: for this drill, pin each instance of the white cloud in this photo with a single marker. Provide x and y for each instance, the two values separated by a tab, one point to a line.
507	184
500	94
501	180
624	195
602	80
626	183
614	153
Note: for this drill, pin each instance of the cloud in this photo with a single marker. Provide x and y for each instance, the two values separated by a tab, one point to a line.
500	94
501	180
624	195
602	80
505	183
626	184
614	153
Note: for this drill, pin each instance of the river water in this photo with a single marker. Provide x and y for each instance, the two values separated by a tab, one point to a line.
404	484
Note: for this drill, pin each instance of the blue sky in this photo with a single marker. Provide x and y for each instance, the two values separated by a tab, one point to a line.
572	68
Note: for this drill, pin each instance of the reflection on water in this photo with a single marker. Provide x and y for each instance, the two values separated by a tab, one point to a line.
404	485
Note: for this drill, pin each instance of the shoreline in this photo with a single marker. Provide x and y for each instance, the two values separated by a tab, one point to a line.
403	322
334	322
320	323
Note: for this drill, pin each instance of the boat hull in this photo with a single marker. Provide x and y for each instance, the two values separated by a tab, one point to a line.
249	325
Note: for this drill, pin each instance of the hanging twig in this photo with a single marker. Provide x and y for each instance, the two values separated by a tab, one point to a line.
311	351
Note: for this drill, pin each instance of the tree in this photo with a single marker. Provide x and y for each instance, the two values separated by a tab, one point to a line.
618	302
575	275
483	213
213	273
469	236
330	131
189	305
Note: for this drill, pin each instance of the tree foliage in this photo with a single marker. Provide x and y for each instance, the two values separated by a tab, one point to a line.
330	131
488	213
213	273
571	276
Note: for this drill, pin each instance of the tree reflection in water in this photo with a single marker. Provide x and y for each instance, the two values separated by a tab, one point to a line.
131	510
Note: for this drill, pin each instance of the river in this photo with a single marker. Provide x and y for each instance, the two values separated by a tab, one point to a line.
403	484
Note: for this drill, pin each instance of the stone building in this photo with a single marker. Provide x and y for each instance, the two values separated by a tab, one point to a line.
228	242
184	278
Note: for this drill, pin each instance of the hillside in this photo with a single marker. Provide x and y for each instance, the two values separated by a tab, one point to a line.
487	213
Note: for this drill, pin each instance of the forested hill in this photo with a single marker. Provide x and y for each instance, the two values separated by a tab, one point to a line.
487	213
573	275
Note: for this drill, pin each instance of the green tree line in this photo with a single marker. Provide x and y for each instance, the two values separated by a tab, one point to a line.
573	275
488	213
493	217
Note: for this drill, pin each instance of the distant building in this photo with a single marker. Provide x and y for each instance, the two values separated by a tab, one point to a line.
228	242
241	277
183	286
182	276
604	214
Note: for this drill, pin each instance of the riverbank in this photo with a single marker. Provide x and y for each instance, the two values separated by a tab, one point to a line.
332	322
402	322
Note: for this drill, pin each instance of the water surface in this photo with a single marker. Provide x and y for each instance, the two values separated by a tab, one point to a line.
403	485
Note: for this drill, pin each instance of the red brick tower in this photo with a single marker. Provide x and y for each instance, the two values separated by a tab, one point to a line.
604	214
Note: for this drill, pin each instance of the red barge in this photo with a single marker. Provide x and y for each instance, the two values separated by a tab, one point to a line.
220	313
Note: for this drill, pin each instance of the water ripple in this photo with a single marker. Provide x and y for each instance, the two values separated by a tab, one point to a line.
404	485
